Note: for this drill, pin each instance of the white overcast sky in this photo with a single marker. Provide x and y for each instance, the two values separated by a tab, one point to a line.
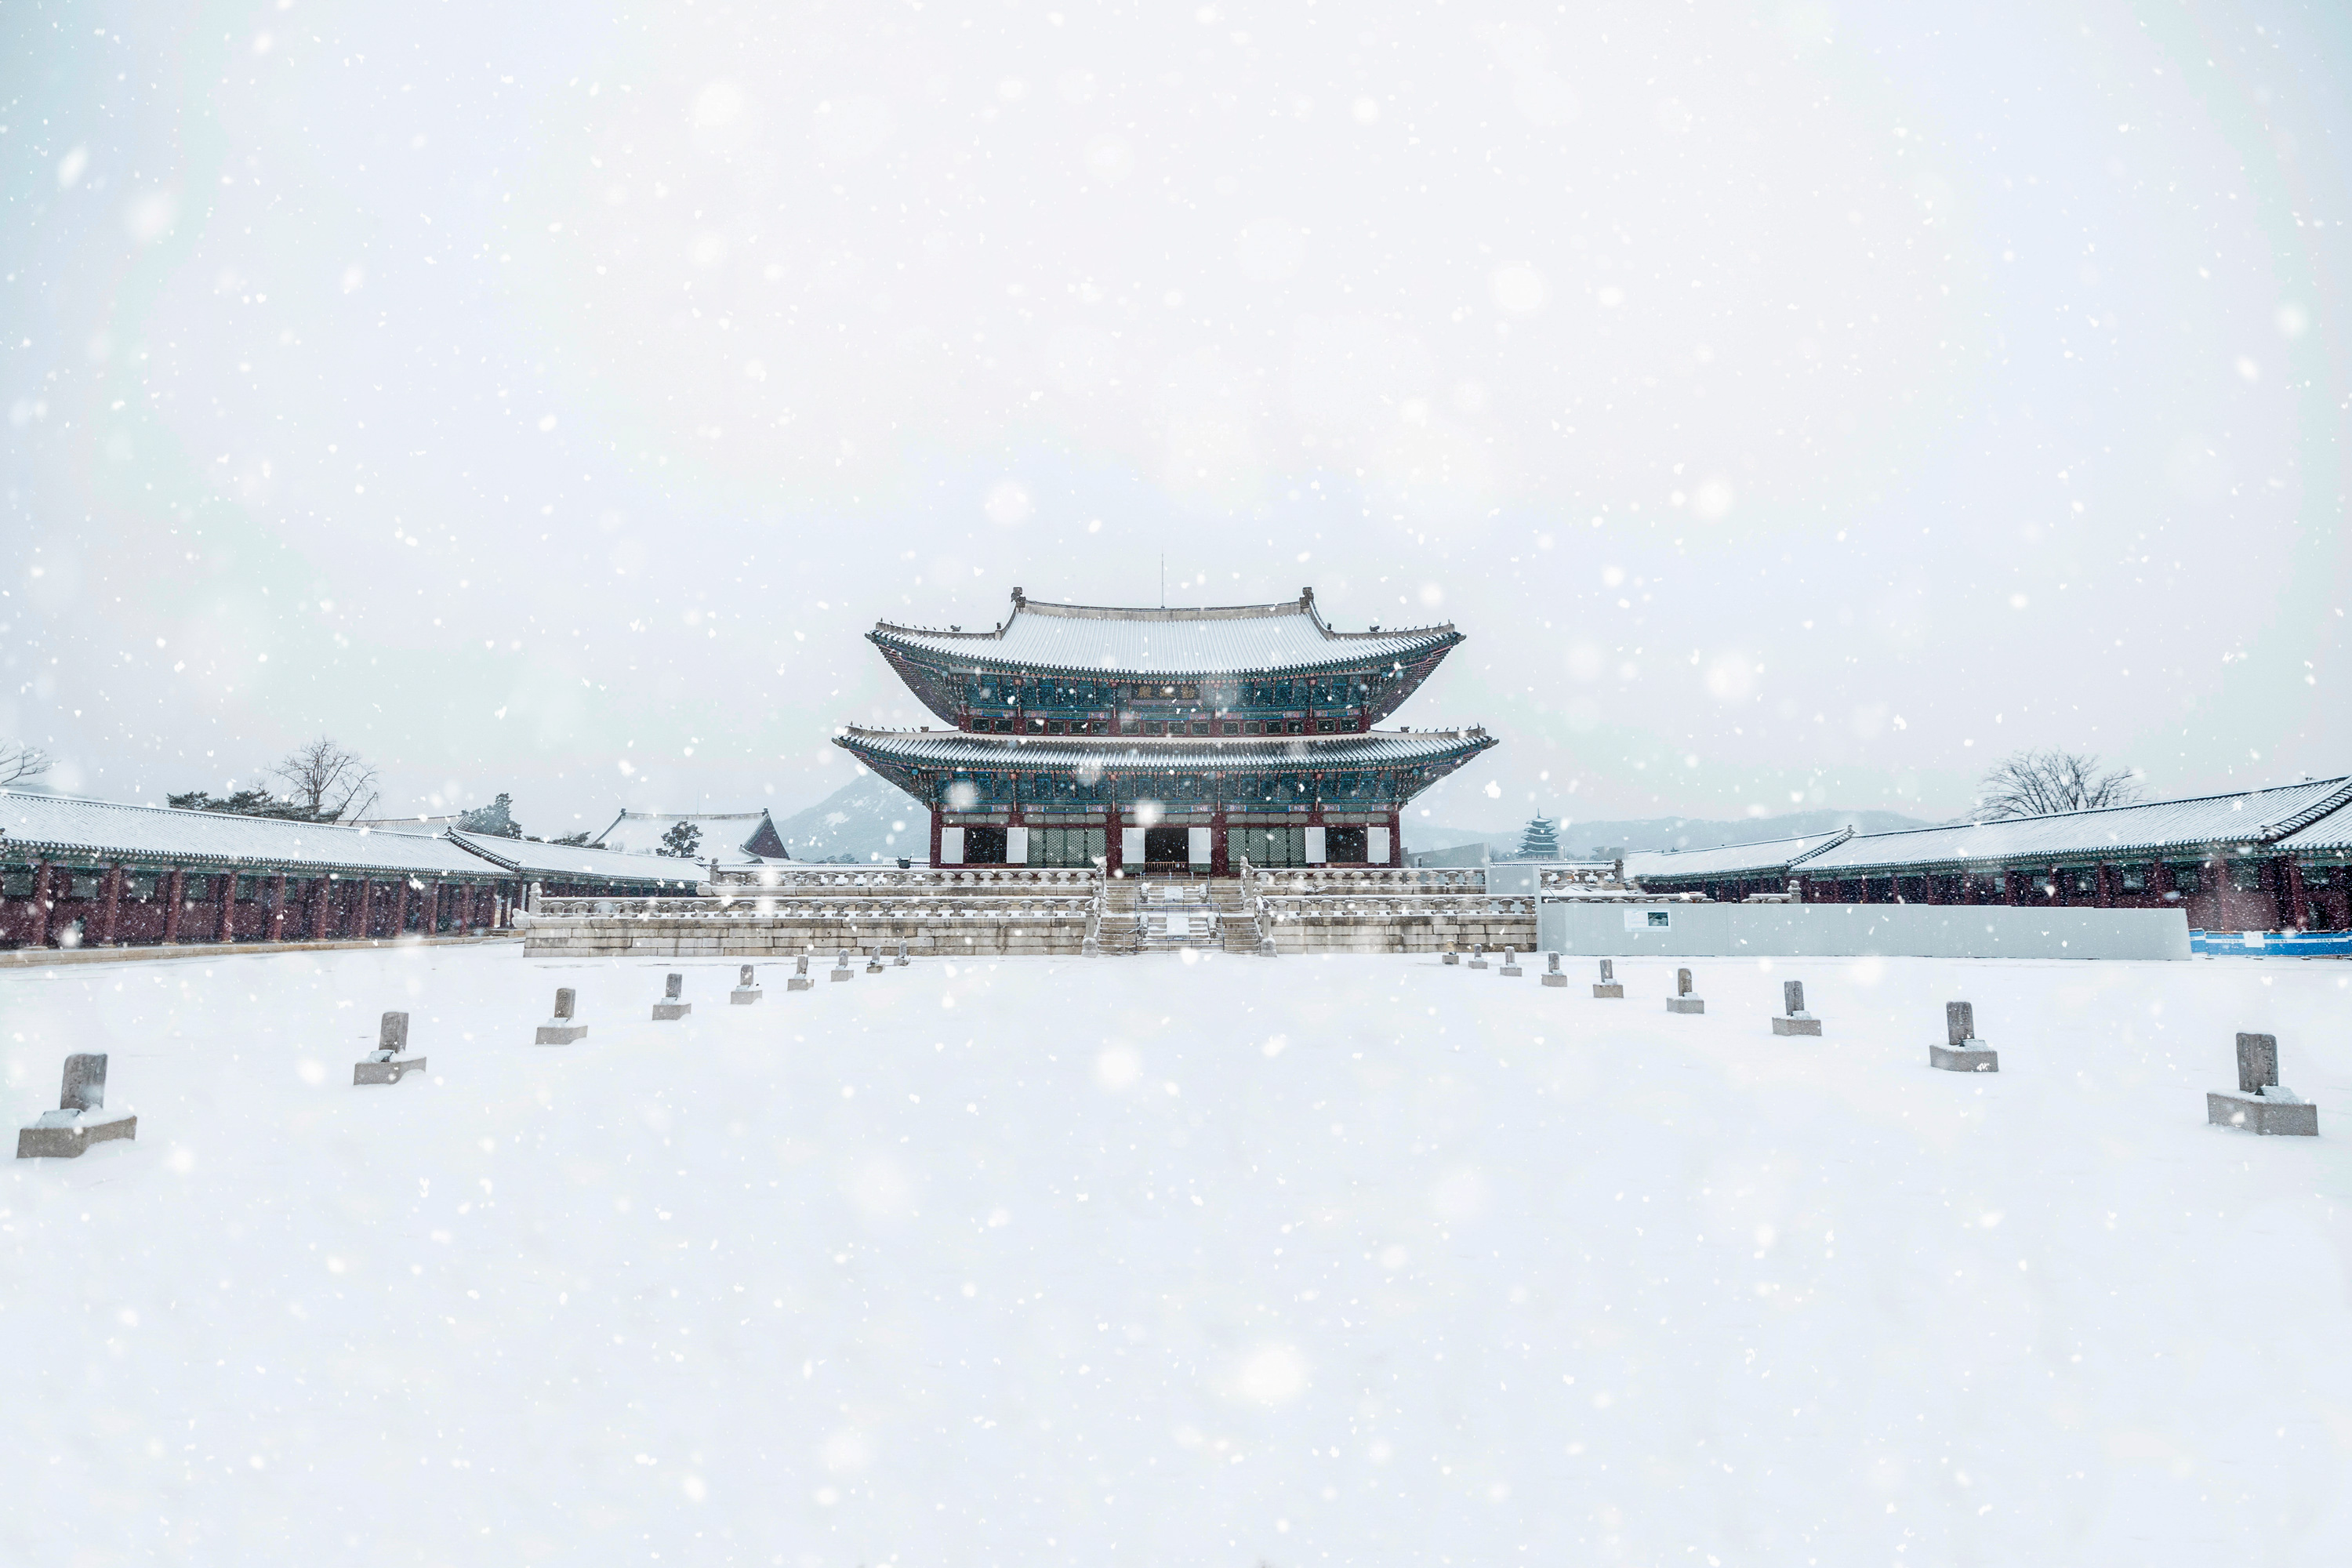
1791	401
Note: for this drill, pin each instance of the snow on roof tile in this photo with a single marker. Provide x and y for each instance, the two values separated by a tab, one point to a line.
1767	856
2252	816
63	825
1225	640
2333	831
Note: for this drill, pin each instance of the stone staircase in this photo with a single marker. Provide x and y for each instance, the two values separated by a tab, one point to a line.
1235	922
1177	914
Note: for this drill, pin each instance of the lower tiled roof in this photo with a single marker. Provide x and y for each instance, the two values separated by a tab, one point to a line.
953	749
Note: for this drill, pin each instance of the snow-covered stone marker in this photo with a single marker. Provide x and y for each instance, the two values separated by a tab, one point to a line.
800	980
900	962
1797	1021
1511	962
2261	1105
841	970
560	1029
389	1061
1551	975
1478	955
1682	1001
80	1119
1449	956
745	992
673	1005
1961	1051
874	960
1610	988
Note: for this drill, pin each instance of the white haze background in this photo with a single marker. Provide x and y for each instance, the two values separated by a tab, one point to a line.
1793	402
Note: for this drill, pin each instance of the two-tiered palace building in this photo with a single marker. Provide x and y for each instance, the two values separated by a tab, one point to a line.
1168	741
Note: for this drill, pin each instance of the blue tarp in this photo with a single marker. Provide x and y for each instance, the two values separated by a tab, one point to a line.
2274	944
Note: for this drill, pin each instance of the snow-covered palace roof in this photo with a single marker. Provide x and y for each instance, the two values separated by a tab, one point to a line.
58	827
731	837
1729	861
580	862
1237	639
2250	817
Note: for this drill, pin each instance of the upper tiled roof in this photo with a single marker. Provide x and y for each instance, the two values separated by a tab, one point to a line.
1729	861
2253	816
1230	640
1238	753
155	835
580	862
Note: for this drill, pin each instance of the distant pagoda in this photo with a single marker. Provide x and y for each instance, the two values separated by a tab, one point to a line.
1200	735
1539	840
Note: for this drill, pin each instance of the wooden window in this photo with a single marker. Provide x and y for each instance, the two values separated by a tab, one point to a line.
2246	875
1200	727
1057	728
2134	877
1232	728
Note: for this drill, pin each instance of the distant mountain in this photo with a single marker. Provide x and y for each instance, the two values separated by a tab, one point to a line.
1580	838
867	819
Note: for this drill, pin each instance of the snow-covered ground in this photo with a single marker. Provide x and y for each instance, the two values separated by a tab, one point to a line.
1356	1260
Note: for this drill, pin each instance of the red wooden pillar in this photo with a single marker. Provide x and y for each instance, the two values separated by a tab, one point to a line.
2008	875
110	915
1220	862
2160	882
400	908
432	909
322	889
1114	838
174	890
2298	905
935	836
41	882
367	909
277	909
225	908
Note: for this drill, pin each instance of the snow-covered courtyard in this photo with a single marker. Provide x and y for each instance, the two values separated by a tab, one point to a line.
1357	1261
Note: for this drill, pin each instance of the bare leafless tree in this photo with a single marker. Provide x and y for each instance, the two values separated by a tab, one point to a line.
20	761
2035	784
328	780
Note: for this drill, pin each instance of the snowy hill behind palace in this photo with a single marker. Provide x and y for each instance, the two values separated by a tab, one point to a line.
1578	838
869	818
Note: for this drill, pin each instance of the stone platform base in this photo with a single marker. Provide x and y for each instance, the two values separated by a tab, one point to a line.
1449	958
873	966
1555	978
665	1012
391	1071
1512	969
64	1134
800	983
561	1034
843	973
2272	1118
1610	992
1685	1004
1964	1059
743	996
1796	1025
